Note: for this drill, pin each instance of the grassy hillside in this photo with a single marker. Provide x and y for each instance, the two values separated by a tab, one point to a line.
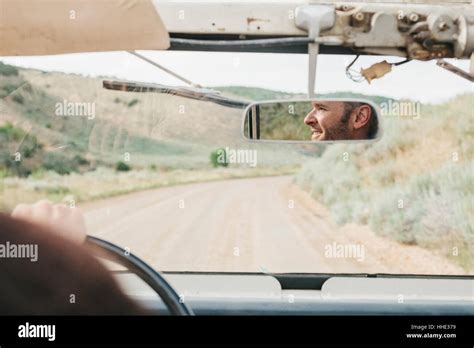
415	185
254	93
64	144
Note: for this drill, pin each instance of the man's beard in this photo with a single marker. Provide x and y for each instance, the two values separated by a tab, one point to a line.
337	132
341	130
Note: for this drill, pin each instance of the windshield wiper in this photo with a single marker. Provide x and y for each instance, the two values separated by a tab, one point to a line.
197	93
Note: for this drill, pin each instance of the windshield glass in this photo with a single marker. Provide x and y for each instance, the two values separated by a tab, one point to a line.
174	181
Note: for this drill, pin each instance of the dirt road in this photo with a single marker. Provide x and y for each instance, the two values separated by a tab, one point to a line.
248	225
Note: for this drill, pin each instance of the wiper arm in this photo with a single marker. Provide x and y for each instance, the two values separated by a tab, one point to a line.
195	93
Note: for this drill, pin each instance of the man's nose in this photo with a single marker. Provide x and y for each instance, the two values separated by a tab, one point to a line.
310	119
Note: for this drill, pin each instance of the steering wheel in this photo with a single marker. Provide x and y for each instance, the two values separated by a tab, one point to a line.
154	279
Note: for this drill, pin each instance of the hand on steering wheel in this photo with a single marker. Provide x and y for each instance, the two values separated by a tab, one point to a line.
69	223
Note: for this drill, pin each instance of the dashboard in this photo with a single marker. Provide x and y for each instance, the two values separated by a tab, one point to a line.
256	294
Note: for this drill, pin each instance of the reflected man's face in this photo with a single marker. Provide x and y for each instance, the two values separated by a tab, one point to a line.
328	121
338	120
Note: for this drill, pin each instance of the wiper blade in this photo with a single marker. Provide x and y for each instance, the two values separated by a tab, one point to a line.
203	94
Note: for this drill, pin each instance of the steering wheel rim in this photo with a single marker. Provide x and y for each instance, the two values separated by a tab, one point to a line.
154	279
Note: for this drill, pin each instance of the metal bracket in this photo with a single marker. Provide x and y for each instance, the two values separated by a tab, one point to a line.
314	19
455	70
384	31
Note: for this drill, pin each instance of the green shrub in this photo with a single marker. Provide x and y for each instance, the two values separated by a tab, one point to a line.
122	167
219	158
8	70
17	98
81	161
10	138
57	190
59	163
8	133
132	102
8	89
62	163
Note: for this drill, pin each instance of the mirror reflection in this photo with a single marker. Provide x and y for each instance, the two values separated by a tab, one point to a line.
315	120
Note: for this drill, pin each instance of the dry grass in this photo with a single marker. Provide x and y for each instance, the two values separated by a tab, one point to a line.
414	186
105	183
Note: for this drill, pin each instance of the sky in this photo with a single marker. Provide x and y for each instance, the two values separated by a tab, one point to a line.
421	81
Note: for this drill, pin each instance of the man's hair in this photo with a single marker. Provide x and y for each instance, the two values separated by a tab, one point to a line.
63	268
373	122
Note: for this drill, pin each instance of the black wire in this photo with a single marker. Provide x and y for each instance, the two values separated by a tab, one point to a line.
402	62
259	43
395	64
350	74
352	63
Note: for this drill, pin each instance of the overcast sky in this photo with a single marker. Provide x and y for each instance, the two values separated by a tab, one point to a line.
423	81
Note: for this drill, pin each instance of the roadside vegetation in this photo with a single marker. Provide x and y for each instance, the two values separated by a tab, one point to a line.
414	186
107	182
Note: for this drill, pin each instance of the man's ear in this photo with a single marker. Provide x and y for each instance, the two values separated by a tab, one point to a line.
362	117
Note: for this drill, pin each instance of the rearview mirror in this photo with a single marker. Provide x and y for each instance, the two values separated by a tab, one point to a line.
311	120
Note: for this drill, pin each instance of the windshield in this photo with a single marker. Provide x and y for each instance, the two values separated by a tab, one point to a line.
174	181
